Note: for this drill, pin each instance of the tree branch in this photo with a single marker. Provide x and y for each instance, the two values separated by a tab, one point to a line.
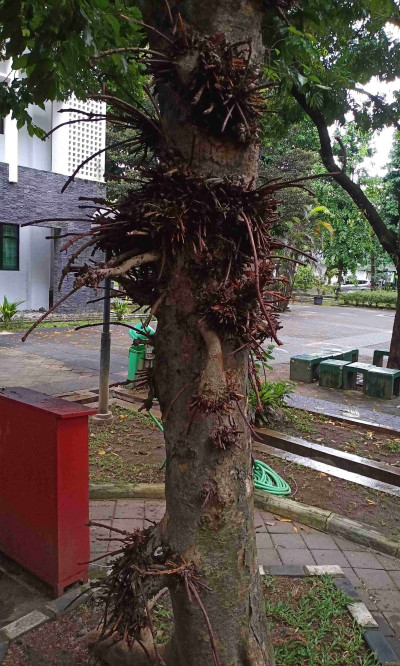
386	236
380	104
133	262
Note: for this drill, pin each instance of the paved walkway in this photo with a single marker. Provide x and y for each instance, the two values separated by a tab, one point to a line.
376	577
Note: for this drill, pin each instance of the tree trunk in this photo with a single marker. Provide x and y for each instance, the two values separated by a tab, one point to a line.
209	494
373	271
209	490
340	281
394	356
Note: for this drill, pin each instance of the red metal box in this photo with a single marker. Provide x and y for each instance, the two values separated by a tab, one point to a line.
44	485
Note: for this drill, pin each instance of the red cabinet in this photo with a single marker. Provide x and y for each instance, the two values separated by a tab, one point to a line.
44	485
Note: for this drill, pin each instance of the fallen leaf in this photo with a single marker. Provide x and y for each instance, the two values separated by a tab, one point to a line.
371	502
322	474
115	454
270	523
295	528
101	452
284	520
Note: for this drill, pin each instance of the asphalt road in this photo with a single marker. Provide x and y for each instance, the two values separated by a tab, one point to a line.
308	327
61	360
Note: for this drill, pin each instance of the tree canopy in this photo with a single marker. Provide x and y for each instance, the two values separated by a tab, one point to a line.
52	44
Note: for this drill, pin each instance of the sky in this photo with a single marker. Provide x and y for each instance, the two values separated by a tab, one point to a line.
382	141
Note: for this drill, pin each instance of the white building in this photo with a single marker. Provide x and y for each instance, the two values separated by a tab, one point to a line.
32	173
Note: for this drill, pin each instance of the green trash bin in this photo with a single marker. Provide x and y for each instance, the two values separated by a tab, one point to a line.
138	357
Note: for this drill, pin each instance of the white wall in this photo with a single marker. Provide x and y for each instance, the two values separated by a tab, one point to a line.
4	71
32	151
75	142
31	283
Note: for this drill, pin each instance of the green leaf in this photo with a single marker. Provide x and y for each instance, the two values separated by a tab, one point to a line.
114	23
301	79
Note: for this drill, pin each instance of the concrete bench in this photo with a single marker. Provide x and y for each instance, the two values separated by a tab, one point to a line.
331	373
378	357
351	371
305	367
382	383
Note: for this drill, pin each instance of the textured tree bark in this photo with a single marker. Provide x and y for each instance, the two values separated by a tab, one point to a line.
209	495
209	491
373	271
394	355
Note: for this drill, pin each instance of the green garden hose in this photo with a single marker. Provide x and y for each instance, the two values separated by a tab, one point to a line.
264	477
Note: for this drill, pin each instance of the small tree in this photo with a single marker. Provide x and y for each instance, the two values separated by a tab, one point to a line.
305	278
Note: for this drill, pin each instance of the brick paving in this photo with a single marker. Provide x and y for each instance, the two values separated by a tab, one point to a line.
376	577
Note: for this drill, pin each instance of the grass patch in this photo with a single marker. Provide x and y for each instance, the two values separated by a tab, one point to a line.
24	325
118	451
302	421
393	445
162	620
311	625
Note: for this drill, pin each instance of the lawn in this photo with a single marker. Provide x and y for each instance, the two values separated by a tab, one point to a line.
22	325
311	625
131	449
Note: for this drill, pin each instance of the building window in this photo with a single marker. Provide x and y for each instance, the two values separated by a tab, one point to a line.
9	247
1	125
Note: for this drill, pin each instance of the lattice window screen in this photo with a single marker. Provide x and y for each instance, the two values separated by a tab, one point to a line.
86	139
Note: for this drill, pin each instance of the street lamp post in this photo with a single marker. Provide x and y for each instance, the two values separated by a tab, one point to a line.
104	415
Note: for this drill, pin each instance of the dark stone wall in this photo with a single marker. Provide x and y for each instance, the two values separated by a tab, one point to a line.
38	195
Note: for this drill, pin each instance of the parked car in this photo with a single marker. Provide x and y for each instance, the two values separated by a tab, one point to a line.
349	285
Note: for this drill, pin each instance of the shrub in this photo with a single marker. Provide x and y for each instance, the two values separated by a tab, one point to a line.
8	310
272	397
121	308
304	279
380	298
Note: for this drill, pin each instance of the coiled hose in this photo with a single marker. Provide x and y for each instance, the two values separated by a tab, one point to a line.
264	476
266	479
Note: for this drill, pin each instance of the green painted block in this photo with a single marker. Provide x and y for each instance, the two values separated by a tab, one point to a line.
350	355
382	383
351	371
378	357
304	367
331	373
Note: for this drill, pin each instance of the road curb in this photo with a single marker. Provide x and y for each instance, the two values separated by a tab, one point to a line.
320	519
328	521
113	491
35	619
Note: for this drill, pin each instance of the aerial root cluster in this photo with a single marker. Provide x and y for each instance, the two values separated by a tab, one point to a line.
143	568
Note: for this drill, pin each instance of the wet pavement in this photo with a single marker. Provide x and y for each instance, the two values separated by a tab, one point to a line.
62	360
20	591
307	328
